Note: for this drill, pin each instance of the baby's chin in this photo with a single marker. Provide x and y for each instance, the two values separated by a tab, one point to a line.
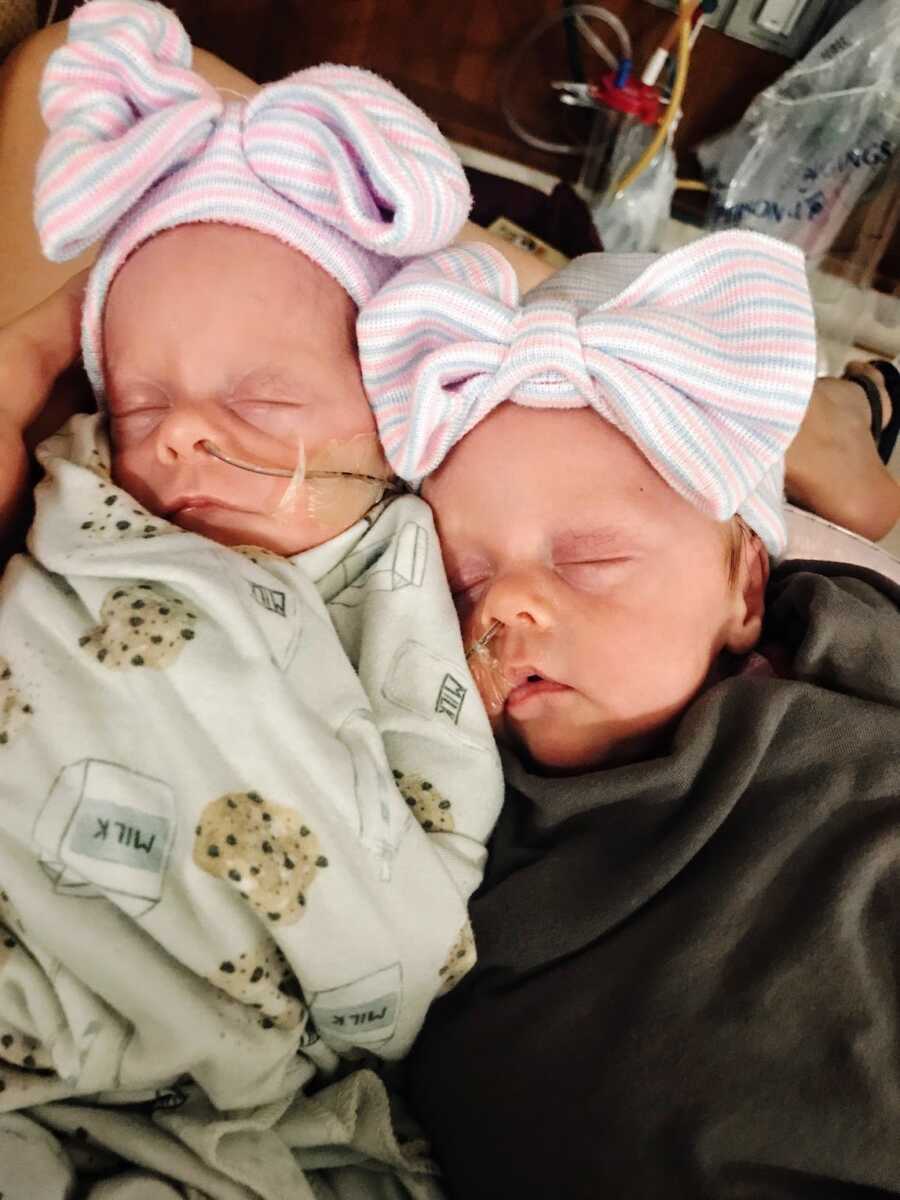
569	748
230	528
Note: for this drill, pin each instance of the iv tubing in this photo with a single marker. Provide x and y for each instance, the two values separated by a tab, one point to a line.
573	48
673	108
578	12
673	33
582	11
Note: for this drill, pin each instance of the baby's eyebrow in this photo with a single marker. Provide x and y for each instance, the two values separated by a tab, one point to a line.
131	389
592	542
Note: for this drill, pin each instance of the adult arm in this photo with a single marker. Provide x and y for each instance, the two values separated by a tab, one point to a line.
26	277
35	351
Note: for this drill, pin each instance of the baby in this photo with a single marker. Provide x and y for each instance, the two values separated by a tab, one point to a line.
604	570
688	929
246	790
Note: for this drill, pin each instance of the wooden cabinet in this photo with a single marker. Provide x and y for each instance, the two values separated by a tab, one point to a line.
450	57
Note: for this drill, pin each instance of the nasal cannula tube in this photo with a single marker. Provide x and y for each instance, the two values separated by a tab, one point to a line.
481	644
487	671
289	472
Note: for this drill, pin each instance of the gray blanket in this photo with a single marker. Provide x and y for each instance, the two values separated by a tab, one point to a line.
689	977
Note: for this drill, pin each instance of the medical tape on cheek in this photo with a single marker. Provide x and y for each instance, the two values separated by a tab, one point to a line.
287	501
487	670
344	480
339	484
277	494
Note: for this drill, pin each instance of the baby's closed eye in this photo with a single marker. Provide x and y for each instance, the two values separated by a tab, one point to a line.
130	425
466	600
468	582
275	417
593	574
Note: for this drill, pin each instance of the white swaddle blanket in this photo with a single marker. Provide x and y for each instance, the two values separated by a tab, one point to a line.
208	796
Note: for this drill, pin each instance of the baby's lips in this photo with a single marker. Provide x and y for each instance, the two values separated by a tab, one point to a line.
517	675
182	502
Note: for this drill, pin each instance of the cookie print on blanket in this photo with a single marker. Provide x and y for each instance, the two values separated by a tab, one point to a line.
261	978
20	1050
106	513
15	709
301	937
141	625
431	809
460	960
17	1047
264	850
114	514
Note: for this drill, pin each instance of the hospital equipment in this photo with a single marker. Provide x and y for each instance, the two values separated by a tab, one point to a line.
628	175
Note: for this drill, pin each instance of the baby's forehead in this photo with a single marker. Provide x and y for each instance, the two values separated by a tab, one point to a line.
216	261
521	449
566	480
226	293
216	240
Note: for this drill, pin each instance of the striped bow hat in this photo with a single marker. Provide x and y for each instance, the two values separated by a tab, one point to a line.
332	161
705	358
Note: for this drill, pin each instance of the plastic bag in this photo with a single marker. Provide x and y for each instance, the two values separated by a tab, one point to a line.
819	139
634	220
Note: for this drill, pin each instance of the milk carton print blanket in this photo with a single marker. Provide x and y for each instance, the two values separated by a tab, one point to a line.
244	799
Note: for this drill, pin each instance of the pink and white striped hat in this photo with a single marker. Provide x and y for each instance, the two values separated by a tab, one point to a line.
332	160
704	357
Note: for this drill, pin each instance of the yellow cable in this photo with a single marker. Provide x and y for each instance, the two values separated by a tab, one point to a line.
691	185
672	110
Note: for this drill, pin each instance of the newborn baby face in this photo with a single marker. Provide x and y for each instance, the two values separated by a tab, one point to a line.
613	591
221	334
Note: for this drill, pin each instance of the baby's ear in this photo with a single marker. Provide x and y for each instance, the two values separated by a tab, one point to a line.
749	592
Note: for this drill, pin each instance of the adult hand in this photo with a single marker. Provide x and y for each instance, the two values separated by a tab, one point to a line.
35	351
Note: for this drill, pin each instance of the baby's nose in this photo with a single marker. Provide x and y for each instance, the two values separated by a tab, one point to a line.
181	434
520	598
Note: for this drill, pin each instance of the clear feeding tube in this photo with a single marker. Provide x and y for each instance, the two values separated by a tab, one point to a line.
487	670
339	483
297	473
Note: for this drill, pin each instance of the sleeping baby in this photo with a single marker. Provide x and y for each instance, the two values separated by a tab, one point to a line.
247	782
688	929
604	535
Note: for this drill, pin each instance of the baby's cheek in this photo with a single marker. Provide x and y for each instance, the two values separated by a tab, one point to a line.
136	477
666	670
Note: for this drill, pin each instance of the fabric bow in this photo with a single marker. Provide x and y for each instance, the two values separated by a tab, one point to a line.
705	359
349	148
125	111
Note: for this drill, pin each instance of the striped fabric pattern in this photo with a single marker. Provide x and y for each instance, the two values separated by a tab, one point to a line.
332	160
704	357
